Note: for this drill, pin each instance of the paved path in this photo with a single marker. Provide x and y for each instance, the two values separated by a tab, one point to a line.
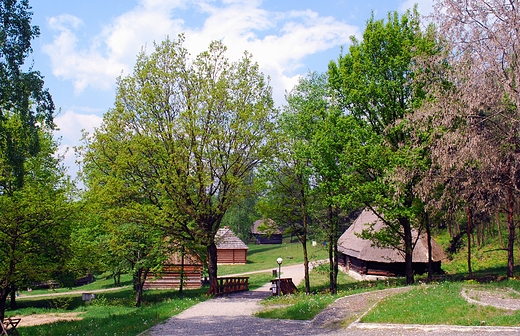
232	315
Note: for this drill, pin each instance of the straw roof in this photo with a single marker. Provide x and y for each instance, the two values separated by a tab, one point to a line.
226	239
272	228
352	245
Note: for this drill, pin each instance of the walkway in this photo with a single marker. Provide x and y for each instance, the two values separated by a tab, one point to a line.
232	315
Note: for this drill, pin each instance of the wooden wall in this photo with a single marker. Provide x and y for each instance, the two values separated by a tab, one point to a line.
228	256
170	277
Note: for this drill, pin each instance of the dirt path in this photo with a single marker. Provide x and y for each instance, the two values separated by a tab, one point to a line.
37	319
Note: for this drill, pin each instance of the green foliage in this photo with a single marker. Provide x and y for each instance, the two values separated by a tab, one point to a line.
182	141
240	217
374	84
34	222
24	103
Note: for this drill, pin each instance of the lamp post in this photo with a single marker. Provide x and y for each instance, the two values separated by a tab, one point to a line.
279	261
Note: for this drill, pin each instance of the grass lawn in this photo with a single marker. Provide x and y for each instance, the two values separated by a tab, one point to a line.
441	304
110	313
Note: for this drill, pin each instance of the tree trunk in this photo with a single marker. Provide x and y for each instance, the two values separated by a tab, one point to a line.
499	230
212	262
429	237
13	298
408	245
469	215
511	236
306	266
3	297
139	280
181	282
336	268
303	238
333	251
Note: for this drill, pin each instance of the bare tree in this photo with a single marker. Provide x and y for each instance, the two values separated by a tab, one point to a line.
475	105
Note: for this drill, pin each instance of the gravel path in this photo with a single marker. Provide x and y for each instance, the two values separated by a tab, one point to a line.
232	315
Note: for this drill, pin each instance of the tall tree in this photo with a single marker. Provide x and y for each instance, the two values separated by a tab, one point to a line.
374	83
479	114
34	223
21	93
26	113
188	134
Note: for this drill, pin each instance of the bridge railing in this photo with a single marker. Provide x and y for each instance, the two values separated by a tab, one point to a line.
229	285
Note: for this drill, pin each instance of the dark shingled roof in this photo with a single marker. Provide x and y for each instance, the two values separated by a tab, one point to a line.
352	245
270	223
226	239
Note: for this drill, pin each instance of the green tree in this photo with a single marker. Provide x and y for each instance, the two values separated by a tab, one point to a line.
187	134
26	113
21	94
374	83
34	223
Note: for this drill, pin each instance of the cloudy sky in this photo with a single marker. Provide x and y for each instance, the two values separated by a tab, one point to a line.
85	45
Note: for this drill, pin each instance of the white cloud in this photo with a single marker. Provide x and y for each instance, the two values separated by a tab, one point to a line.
425	7
278	40
71	125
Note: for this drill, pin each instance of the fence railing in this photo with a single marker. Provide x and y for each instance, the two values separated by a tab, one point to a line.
229	285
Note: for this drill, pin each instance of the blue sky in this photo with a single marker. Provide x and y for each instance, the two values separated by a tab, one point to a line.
85	45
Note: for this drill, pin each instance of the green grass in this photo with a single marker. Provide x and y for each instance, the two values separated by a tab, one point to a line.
263	257
489	259
113	313
439	304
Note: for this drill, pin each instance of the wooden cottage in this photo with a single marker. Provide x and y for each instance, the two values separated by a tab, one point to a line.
230	249
359	255
265	231
189	266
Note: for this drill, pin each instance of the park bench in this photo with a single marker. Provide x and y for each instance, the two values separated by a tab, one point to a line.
9	324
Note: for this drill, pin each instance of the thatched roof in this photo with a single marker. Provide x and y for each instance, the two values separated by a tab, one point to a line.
272	228
352	245
226	239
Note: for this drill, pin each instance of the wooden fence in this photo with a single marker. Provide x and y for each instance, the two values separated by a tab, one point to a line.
229	285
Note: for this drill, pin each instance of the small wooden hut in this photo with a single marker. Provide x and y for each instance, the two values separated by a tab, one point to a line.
230	249
190	266
265	231
359	255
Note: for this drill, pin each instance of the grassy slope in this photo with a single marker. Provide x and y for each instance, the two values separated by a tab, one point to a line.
442	303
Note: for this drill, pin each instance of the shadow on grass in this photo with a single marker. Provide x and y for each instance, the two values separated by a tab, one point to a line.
491	274
263	249
113	313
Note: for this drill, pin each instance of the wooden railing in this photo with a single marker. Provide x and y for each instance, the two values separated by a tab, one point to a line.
229	285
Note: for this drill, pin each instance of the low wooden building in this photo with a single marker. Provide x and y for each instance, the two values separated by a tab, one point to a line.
230	248
265	231
189	266
361	256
